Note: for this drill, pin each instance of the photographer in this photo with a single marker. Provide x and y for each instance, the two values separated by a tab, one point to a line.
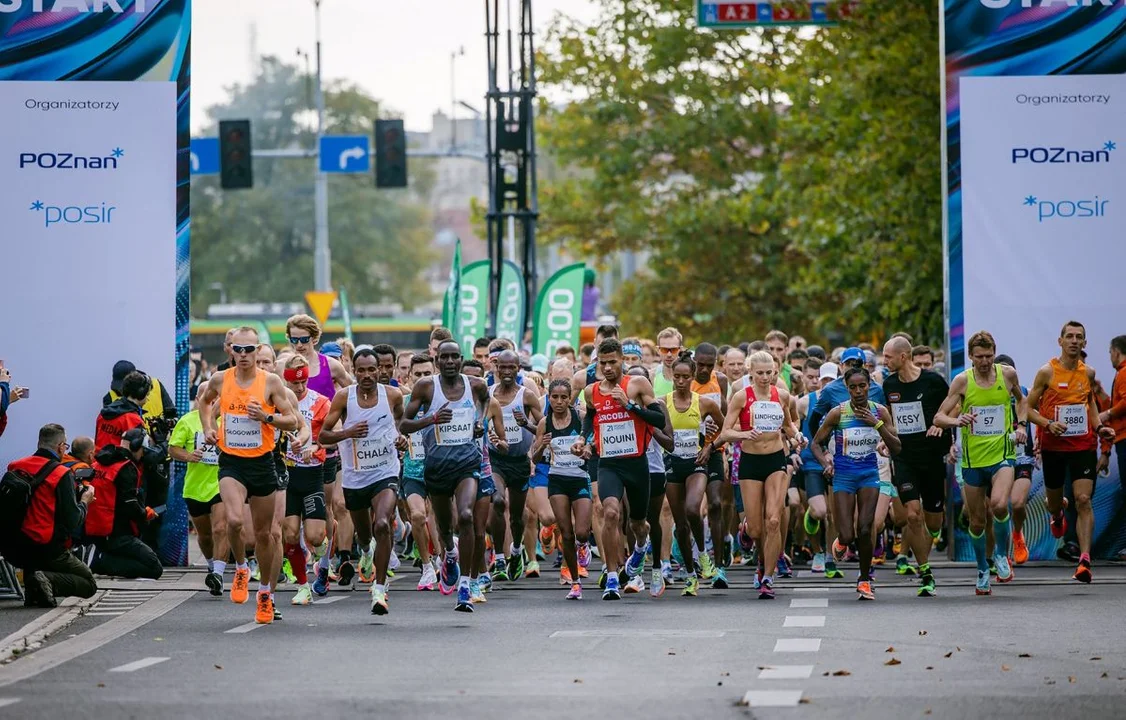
56	512
118	514
123	413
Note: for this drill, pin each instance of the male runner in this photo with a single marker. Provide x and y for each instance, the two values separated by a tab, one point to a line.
818	493
920	468
1062	403
1022	484
669	344
734	367
712	385
255	406
414	487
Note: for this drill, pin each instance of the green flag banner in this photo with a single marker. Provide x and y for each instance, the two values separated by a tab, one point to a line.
473	305
559	311
510	312
450	306
346	313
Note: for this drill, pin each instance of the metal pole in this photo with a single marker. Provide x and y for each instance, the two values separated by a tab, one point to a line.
322	256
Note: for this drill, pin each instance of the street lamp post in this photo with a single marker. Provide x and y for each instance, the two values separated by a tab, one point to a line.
322	257
453	97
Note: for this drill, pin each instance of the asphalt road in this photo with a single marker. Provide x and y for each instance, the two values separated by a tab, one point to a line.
1043	646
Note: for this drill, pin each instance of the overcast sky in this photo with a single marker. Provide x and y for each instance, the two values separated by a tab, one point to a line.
398	50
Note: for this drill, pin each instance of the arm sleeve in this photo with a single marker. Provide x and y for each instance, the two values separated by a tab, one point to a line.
70	515
652	415
588	425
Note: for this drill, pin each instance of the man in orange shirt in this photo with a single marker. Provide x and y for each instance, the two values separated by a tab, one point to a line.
1116	415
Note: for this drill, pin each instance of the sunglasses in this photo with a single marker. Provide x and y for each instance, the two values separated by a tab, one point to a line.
300	340
668	351
243	349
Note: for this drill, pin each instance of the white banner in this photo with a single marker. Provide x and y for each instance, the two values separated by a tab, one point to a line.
1044	212
88	201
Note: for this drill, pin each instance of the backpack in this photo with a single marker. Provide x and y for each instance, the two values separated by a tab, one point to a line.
16	490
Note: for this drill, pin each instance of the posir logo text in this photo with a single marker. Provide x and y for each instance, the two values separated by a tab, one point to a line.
1069	209
83	6
1063	155
998	4
94	214
70	161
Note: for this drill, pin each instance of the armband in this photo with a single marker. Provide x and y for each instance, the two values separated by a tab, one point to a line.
879	424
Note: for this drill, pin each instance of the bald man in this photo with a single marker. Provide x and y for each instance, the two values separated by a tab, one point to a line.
914	396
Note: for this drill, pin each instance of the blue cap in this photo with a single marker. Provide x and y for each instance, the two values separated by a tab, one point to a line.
853	353
539	363
332	350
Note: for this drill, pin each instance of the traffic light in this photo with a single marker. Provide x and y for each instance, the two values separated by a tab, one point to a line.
390	154
236	168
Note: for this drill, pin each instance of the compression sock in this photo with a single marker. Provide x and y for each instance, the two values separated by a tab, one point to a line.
1001	536
978	543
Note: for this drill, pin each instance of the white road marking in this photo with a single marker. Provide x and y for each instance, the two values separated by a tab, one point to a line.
139	664
637	633
810	589
5	702
809	603
786	672
244	628
106	614
797	645
328	600
804	621
772	698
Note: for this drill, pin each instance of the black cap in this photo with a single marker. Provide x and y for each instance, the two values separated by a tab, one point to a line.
135	437
121	368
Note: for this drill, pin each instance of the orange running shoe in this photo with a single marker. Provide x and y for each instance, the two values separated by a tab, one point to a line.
565	576
1020	550
1058	523
239	588
864	591
265	613
547	539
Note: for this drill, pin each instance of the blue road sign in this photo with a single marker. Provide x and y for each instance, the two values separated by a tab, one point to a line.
345	154
205	156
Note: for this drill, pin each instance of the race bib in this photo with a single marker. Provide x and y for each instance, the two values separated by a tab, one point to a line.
561	456
1075	418
617	439
767	415
989	420
240	432
513	433
859	442
372	454
210	453
458	431
686	443
707	425
909	418
416	451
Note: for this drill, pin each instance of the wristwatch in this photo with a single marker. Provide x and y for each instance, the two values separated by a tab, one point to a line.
270	419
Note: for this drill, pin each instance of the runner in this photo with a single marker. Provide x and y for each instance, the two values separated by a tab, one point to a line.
369	441
670	343
776	345
734	367
979	403
450	406
254	406
414	487
1062	403
659	443
818	488
858	428
762	459
1022	482
712	384
920	469
619	412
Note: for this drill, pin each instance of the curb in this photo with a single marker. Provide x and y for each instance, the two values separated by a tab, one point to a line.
31	636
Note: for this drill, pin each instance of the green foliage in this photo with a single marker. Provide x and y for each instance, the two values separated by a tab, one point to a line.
821	217
259	242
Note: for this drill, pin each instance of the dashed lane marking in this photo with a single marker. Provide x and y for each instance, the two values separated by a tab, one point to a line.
139	664
804	621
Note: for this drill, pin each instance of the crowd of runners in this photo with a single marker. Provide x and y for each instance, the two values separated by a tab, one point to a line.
313	466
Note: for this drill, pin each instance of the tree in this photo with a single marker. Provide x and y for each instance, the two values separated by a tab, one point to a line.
259	242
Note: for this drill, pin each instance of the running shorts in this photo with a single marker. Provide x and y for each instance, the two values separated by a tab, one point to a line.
922	481
759	467
629	477
412	486
575	488
539	480
983	477
515	471
853	483
656	485
332	467
197	508
361	498
486	487
257	474
678	469
814	482
446	483
715	466
305	496
1061	464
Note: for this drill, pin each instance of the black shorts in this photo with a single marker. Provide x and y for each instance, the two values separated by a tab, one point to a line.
515	471
1024	472
656	485
197	508
360	499
258	475
760	467
627	477
446	483
305	496
715	467
1076	464
332	467
921	480
575	488
678	469
412	486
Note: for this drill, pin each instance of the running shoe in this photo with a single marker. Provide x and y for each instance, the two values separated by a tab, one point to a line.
613	589
367	567
240	587
277	612
287	571
903	566
766	590
1058	522
864	591
378	601
347	573
728	551
831	571
547	539
982	583
429	578
1020	549
393	562
635	585
720	581
656	584
784	569
926	589
878	551
214	583
1005	572
253	565
992	566
757	581
812	526
532	570
464	599
515	566
540	554
636	563
476	594
500	572
746	542
680	575
691	586
558	561
565	576
583	552
1083	572
1068	551
576	592
707	567
897	544
320	582
603	577
851	555
451	573
304	595
485	581
264	615
839	553
666	574
817	565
